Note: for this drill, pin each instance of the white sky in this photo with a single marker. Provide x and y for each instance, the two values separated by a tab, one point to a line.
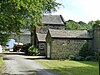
79	10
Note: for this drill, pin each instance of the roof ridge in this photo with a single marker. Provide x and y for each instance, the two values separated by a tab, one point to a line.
69	33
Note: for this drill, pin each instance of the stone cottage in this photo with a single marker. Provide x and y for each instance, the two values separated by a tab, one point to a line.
49	22
62	43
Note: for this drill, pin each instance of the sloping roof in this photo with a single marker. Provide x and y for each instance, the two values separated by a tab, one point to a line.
41	37
69	33
53	19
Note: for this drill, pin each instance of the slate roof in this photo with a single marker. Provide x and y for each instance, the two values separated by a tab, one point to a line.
53	19
69	33
41	37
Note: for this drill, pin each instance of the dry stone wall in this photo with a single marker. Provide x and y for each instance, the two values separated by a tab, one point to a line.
62	48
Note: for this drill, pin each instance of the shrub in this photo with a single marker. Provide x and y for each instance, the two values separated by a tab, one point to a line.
25	48
71	57
97	55
91	58
79	58
33	51
76	58
84	52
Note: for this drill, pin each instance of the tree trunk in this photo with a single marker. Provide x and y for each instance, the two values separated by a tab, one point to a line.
32	37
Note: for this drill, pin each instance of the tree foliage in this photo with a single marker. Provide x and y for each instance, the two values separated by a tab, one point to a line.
72	25
96	23
16	14
4	39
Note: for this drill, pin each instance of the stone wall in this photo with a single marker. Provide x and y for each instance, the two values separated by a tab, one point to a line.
62	48
96	38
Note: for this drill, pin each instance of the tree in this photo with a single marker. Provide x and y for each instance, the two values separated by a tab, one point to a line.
96	23
72	25
84	25
81	23
91	23
4	39
15	14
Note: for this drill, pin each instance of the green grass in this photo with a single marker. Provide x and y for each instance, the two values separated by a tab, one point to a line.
67	67
1	64
1	61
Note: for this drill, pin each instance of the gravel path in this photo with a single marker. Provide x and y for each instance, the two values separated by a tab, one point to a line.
23	65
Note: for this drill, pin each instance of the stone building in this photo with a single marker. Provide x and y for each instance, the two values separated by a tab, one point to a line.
39	33
58	43
62	43
24	36
41	43
49	22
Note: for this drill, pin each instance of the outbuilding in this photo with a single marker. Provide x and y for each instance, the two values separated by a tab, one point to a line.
41	43
62	43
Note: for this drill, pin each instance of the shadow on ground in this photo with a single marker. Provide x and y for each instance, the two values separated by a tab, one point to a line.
35	58
4	58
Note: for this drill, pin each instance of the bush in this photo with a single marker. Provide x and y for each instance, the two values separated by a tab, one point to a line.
33	51
91	58
25	48
79	58
76	58
71	57
84	52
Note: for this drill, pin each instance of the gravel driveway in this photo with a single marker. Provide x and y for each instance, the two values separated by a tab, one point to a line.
23	65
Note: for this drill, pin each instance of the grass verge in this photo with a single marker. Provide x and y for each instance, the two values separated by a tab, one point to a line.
67	67
1	64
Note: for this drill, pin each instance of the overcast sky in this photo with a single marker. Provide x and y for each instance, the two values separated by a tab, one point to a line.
80	10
